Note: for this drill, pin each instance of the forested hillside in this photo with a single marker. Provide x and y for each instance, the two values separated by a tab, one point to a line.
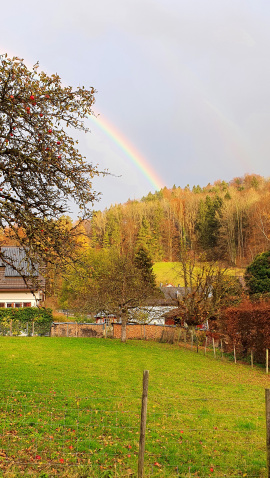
229	222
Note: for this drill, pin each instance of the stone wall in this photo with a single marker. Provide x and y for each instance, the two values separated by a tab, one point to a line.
73	329
145	332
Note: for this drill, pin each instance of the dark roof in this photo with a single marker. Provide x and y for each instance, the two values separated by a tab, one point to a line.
173	314
16	264
175	292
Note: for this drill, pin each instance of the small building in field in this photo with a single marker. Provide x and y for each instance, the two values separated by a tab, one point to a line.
15	286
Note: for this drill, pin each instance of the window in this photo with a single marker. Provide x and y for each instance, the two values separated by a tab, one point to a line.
27	304
18	304
2	304
9	304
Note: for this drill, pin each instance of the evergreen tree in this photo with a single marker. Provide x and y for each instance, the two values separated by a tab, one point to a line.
208	224
257	275
143	262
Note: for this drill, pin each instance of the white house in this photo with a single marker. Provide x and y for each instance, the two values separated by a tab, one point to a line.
14	290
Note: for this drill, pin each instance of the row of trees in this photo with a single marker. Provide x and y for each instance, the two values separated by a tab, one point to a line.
227	221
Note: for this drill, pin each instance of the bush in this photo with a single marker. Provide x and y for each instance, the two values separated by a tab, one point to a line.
21	320
248	327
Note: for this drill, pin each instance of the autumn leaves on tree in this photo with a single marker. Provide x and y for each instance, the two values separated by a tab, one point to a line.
228	222
41	168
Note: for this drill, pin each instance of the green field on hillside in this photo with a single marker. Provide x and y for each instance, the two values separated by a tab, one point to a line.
171	273
71	407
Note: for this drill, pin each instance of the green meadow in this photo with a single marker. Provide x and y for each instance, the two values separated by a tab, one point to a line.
172	273
70	407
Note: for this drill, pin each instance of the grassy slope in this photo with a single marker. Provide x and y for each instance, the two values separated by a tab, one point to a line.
170	273
79	399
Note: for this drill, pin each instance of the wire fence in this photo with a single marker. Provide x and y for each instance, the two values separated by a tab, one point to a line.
185	437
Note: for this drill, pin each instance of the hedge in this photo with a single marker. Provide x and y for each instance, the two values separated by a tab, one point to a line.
25	320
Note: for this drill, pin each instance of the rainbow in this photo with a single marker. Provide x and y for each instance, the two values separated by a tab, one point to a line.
137	159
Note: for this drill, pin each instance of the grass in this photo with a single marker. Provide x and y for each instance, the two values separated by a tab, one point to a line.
171	273
71	407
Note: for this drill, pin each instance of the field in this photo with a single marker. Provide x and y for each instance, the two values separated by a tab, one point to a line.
171	273
71	407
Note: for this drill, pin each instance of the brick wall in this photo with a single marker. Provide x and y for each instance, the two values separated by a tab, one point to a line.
73	329
144	332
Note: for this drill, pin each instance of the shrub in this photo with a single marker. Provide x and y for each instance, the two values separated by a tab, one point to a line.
247	326
42	318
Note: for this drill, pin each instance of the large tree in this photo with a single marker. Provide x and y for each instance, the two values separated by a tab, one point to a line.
41	169
110	284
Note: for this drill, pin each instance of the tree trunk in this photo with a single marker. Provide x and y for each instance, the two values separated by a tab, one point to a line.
124	328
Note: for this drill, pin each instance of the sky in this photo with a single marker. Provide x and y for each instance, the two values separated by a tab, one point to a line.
182	85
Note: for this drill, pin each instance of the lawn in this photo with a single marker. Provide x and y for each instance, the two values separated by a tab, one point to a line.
171	273
71	407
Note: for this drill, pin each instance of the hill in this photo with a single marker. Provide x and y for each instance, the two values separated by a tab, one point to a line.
172	273
225	221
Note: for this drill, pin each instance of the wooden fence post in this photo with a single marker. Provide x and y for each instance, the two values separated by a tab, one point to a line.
234	353
10	327
33	328
221	348
143	424
251	358
267	360
267	415
214	348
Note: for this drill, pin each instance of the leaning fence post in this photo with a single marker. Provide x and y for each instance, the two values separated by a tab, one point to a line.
267	415
234	353
143	423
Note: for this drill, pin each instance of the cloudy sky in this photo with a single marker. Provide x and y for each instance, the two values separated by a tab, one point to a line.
182	85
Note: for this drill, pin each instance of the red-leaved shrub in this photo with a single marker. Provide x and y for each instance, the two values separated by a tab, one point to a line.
247	326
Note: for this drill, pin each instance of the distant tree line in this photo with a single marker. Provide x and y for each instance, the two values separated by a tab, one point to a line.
229	222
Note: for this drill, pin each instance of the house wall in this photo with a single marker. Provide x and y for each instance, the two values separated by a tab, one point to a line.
73	329
8	297
143	332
